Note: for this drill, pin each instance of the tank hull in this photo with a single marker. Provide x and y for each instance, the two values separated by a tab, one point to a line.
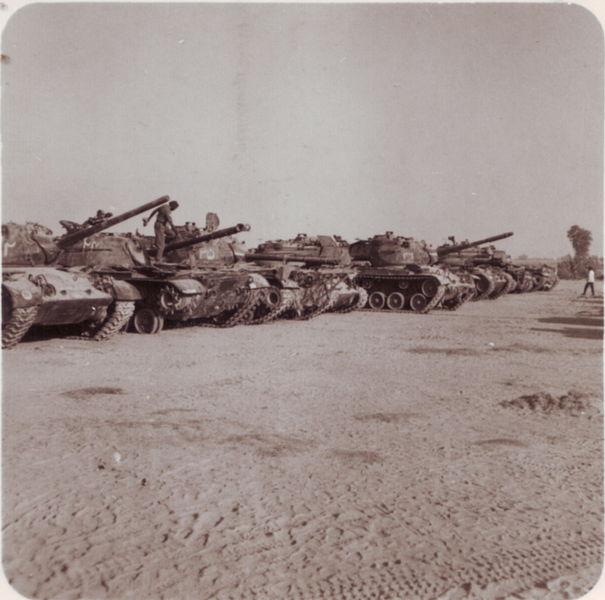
313	290
52	297
545	278
212	297
319	267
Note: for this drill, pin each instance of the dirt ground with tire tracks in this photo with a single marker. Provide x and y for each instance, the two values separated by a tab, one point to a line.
449	455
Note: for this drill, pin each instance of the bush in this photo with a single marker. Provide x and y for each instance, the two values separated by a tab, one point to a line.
570	267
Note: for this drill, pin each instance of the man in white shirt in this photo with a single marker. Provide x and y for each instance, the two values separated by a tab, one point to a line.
589	281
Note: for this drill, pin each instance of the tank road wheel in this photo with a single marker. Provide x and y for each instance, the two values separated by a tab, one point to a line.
418	302
272	298
169	299
147	320
16	326
377	300
396	301
119	315
429	287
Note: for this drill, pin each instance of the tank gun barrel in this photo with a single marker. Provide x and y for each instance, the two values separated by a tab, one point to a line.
219	233
449	249
309	260
69	239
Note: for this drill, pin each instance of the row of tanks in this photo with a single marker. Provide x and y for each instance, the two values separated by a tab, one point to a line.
99	283
399	273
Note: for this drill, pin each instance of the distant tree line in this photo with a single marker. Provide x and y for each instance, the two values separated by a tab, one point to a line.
576	266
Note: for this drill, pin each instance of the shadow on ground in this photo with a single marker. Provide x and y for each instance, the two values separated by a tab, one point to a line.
40	334
585	321
587	324
576	332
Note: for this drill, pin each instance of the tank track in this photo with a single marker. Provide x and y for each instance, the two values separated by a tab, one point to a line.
320	310
434	302
119	317
325	303
299	313
240	315
17	326
287	299
357	304
458	301
363	298
508	286
490	288
517	282
511	283
525	285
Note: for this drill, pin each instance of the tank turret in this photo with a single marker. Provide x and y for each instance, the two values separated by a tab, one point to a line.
73	237
88	246
34	245
389	250
310	250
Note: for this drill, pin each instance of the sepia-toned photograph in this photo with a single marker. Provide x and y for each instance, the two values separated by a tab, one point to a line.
302	301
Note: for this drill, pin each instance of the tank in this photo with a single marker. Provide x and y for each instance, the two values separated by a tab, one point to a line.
321	268
401	273
499	259
171	290
39	289
491	270
544	277
209	248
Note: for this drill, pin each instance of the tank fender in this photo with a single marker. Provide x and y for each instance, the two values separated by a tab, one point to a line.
22	292
123	290
188	287
256	281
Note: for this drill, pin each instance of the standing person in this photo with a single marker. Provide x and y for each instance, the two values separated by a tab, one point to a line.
212	222
589	281
164	227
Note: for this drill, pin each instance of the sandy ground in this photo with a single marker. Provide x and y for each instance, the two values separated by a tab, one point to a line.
353	456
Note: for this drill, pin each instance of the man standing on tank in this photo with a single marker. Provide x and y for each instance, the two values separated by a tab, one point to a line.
164	227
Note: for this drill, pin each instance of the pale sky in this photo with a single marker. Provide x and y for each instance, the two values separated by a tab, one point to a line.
428	120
